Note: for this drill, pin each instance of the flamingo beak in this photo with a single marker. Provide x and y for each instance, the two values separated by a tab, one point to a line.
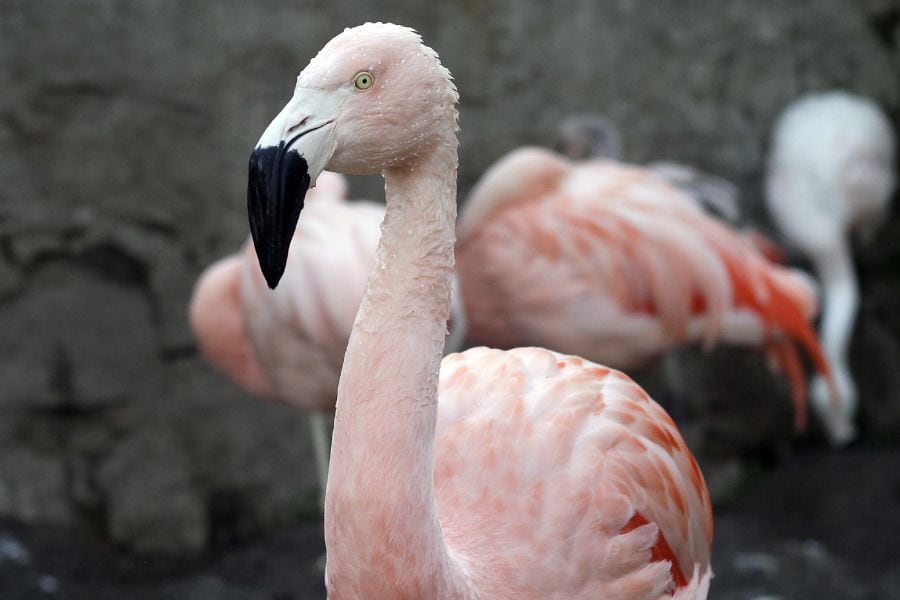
291	153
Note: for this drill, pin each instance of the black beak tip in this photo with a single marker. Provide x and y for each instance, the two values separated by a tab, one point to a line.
272	277
277	185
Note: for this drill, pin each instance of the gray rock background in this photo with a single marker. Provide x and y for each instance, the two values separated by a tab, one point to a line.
125	129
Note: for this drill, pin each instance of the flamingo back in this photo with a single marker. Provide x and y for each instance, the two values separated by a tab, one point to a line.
617	265
559	476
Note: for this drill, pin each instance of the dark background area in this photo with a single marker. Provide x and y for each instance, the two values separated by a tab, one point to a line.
129	469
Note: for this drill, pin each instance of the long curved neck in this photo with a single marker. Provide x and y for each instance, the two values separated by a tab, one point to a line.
381	524
841	303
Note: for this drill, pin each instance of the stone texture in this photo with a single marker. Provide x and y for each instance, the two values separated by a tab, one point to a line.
86	342
124	134
32	486
151	502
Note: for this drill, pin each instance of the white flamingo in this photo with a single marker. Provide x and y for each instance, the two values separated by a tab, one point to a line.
831	175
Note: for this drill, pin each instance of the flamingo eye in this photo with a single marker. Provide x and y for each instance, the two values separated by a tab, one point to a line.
364	80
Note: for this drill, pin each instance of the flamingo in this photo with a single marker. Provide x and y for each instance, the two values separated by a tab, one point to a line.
289	345
614	263
490	474
831	175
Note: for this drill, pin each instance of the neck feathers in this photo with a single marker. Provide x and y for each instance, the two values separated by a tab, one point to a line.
381	521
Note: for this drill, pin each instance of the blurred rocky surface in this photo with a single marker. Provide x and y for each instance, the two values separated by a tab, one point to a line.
801	531
124	134
821	525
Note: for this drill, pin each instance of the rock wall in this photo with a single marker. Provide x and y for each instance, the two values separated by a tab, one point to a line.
125	129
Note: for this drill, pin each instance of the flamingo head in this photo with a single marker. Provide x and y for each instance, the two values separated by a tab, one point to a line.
374	98
588	135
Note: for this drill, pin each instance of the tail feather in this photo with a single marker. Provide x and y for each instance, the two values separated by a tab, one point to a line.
697	588
787	360
785	306
661	551
766	246
793	322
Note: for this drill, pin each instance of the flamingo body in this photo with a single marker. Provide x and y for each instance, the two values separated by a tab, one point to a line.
613	263
831	174
535	450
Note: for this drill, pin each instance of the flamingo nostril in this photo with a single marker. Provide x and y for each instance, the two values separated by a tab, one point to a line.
300	124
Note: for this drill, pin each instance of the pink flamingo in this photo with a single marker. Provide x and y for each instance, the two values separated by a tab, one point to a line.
492	474
613	263
831	174
289	345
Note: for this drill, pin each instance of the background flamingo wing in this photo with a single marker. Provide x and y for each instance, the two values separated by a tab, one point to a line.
616	263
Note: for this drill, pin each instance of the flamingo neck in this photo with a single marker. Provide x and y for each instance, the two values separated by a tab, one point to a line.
840	303
382	530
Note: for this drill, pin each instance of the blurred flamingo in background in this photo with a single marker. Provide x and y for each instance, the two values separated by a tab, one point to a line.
591	136
612	262
831	175
492	474
289	344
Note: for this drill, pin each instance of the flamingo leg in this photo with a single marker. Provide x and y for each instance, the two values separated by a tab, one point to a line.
840	305
841	302
676	387
456	336
318	429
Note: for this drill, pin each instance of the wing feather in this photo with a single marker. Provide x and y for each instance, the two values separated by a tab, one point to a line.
543	462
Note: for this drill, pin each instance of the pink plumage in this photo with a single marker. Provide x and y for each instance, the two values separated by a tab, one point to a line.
529	474
530	443
288	344
613	263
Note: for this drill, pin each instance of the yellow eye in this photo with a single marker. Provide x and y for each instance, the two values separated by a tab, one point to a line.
364	81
